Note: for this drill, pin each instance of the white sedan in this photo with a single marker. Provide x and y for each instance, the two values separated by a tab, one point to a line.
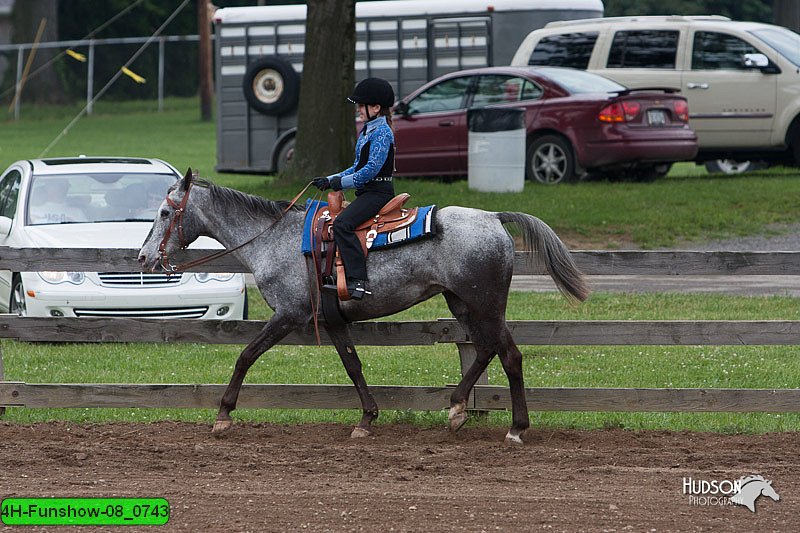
100	202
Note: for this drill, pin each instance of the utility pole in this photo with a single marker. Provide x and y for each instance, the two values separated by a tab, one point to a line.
204	59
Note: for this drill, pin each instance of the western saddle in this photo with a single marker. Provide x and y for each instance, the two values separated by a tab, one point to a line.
393	216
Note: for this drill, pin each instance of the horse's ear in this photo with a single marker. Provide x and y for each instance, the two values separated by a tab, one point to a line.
187	179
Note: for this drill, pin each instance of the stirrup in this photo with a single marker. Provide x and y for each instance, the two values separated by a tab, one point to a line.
329	284
358	289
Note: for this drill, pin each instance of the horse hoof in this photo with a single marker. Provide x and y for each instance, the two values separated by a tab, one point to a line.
360	433
221	426
514	439
457	420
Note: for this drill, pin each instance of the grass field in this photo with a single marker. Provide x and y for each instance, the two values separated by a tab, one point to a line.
688	205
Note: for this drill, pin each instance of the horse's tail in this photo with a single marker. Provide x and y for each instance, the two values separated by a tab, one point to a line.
551	252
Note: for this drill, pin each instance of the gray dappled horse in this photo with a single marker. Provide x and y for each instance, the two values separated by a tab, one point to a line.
469	260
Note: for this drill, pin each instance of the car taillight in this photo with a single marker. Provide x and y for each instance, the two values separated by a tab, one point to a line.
619	112
681	110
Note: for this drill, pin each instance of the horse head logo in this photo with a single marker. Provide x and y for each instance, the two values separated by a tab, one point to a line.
751	487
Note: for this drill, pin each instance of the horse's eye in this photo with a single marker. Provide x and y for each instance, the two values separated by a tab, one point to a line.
164	213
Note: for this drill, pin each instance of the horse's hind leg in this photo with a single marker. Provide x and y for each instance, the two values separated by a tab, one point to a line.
277	328
490	335
484	354
511	358
352	364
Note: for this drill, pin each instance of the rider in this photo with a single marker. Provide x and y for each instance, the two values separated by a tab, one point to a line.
370	176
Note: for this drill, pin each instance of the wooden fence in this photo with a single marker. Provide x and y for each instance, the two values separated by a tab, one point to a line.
416	333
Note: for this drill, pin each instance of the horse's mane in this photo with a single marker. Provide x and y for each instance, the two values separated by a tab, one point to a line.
745	480
253	206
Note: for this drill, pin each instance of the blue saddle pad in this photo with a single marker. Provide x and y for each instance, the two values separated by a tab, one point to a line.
421	227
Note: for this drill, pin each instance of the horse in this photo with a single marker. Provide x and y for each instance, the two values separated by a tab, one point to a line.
469	260
751	488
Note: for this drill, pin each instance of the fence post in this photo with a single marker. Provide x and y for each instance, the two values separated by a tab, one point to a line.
2	378
90	79
467	353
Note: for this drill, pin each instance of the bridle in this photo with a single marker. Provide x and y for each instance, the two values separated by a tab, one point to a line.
177	220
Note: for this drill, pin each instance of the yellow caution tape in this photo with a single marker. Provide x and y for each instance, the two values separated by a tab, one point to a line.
135	77
75	55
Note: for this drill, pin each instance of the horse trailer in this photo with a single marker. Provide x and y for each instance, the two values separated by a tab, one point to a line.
259	59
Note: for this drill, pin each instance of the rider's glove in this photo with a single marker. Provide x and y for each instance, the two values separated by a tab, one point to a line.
321	183
336	183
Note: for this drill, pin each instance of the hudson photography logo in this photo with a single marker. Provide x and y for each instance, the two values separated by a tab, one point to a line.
743	491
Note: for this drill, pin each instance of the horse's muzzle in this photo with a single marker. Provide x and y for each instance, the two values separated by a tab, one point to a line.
147	265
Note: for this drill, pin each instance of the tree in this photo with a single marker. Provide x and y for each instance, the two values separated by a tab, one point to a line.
27	17
325	122
757	10
787	13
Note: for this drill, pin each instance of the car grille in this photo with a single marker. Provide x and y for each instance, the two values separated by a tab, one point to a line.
179	312
138	279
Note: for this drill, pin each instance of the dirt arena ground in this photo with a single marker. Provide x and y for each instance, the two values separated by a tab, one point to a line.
315	478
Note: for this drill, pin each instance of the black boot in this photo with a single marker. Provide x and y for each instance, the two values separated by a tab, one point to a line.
357	288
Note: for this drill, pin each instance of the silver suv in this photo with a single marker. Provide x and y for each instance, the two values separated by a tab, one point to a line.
742	79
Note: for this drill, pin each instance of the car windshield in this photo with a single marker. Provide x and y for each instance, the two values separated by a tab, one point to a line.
101	197
785	41
578	81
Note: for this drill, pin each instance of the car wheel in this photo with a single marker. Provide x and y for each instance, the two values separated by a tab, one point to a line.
733	167
550	160
17	305
285	155
271	86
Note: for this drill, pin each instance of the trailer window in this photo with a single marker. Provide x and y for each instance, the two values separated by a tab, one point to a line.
565	50
445	96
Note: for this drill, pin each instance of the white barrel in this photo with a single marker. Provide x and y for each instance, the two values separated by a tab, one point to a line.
496	157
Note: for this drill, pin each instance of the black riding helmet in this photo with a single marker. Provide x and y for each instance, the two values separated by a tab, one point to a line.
373	91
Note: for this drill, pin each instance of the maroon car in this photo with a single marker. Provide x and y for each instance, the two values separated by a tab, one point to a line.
576	122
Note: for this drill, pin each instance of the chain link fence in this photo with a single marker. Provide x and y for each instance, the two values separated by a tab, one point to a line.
167	68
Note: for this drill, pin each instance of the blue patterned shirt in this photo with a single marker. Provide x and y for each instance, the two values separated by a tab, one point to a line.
380	136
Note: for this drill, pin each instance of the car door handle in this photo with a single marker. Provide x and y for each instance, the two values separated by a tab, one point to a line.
446	123
692	85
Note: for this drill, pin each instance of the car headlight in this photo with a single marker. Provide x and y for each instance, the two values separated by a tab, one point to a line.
55	278
202	277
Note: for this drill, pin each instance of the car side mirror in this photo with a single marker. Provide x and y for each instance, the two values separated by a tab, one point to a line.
5	226
760	62
401	109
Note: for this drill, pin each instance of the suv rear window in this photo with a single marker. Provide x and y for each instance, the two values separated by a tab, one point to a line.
565	50
643	49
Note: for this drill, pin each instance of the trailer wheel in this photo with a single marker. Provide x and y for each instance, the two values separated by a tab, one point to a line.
271	86
285	154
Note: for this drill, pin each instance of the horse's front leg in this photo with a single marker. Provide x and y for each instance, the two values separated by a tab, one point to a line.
276	329
340	336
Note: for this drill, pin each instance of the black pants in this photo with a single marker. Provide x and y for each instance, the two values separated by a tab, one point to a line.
365	206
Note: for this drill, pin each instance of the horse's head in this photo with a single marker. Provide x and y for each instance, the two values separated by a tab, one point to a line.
174	228
767	490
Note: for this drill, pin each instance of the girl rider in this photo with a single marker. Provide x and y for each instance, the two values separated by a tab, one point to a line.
370	176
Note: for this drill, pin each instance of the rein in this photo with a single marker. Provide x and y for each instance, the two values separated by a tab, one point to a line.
180	210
